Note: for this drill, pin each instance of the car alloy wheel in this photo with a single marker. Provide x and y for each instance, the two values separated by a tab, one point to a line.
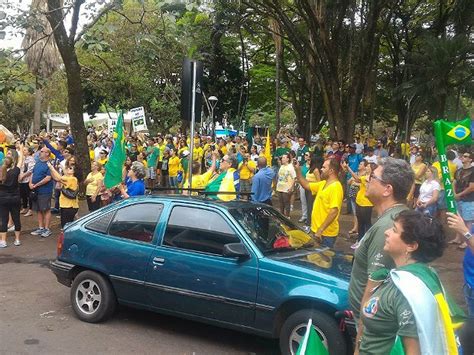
92	297
88	296
297	335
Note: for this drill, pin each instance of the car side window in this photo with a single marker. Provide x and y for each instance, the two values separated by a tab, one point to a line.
101	223
136	222
199	230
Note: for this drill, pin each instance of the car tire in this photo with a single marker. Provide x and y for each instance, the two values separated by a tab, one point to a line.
294	328
92	297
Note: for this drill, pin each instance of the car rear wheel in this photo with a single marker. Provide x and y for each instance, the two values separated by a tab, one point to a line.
92	297
294	328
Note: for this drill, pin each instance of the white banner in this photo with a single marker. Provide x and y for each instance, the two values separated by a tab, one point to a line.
111	123
137	116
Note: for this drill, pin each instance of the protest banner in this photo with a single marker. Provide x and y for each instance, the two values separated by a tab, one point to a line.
137	116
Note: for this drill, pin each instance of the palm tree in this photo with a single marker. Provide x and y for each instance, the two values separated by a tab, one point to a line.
42	55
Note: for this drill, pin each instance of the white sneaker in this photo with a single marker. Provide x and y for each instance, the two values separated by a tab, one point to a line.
11	229
17	243
3	244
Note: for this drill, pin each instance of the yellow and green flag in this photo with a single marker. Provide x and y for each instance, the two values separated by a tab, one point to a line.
447	133
113	168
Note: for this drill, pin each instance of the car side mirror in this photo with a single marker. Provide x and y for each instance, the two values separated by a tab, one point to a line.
235	250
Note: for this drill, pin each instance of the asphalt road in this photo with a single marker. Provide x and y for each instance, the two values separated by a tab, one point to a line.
36	316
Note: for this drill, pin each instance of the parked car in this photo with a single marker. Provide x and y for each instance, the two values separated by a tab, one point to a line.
239	265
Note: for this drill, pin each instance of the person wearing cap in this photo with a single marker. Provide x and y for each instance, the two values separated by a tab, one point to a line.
371	157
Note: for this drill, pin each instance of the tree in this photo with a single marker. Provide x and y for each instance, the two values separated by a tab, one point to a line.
66	45
41	53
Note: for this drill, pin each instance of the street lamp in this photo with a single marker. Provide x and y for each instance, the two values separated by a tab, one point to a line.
212	104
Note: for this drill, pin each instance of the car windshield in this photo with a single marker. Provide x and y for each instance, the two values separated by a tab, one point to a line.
270	230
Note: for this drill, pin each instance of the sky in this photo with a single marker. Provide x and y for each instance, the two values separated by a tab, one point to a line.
12	38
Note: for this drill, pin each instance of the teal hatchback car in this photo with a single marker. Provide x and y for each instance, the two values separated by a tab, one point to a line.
238	265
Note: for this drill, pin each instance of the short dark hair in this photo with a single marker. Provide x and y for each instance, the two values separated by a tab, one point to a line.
334	165
450	155
424	230
399	174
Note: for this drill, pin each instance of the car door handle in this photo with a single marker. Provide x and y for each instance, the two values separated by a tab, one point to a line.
158	261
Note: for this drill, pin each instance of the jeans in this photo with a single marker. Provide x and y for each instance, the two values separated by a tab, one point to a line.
304	204
467	331
328	242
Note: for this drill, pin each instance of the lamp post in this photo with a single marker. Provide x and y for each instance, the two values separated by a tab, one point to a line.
212	104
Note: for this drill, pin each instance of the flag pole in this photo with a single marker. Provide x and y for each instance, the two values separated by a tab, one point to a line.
443	163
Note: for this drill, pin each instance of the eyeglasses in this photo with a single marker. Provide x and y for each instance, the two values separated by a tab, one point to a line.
373	176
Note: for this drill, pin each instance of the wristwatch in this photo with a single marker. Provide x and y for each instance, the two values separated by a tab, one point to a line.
468	235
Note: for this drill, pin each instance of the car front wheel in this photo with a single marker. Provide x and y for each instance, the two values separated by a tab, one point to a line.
92	297
294	329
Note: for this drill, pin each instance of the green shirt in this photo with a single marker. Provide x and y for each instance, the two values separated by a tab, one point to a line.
385	315
300	154
152	155
370	256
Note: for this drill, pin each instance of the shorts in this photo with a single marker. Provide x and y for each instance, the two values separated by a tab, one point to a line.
245	185
160	164
441	204
466	209
328	241
42	203
151	173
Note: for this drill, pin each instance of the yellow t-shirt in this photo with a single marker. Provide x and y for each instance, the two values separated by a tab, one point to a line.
69	182
245	172
103	161
452	170
416	169
223	150
173	166
92	155
327	197
162	148
198	154
199	181
361	199
92	186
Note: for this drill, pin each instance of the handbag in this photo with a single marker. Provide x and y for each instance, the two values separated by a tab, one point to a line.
69	193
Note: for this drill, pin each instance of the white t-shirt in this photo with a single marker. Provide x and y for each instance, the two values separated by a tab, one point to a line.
372	159
286	173
427	189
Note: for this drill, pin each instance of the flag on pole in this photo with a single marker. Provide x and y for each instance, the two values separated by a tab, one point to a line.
268	154
311	344
446	133
113	168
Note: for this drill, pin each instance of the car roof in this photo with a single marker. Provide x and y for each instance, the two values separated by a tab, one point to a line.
198	199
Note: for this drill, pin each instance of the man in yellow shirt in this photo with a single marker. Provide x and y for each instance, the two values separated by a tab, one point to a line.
200	181
327	203
247	169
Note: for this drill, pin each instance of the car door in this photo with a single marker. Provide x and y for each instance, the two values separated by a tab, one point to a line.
122	247
189	274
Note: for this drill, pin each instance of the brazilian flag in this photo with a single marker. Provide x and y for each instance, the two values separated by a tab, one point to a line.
113	168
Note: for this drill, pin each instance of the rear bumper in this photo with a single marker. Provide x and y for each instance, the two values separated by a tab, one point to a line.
62	271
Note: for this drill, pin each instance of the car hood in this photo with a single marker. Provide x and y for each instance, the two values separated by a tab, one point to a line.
325	260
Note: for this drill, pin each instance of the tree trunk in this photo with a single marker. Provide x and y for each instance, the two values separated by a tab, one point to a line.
37	109
74	86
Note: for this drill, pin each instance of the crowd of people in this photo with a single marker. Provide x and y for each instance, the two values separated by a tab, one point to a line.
406	195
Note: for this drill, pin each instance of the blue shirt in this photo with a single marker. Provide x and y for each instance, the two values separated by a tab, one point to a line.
40	171
468	267
2	156
353	160
262	185
135	188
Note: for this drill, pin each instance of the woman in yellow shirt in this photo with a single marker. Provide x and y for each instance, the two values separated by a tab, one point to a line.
363	204
419	169
68	202
173	168
93	184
